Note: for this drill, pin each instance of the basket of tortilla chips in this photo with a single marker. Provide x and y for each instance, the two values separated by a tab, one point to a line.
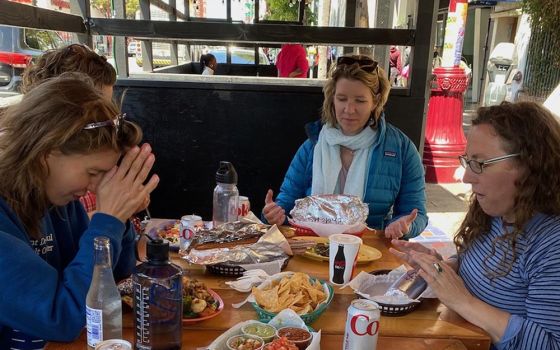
307	296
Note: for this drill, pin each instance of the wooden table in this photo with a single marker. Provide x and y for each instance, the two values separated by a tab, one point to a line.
431	326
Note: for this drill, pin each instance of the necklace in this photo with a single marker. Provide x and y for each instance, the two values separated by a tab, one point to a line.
346	149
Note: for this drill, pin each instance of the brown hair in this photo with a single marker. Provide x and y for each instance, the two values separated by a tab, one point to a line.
376	81
533	132
51	117
72	58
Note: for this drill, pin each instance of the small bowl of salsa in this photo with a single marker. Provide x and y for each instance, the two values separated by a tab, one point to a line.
266	332
299	336
245	342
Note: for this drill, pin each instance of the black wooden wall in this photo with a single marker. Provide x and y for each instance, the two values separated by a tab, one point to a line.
192	126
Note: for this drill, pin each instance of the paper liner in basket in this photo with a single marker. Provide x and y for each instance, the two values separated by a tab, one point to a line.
376	287
285	318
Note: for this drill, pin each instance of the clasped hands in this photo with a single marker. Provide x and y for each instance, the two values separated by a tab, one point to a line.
122	191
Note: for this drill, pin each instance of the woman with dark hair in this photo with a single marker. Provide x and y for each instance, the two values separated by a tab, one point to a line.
353	150
76	58
63	139
506	276
208	64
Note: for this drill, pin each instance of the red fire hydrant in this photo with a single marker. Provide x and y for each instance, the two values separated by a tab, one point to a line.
445	140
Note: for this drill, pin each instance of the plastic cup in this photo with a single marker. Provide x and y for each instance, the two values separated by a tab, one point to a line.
343	255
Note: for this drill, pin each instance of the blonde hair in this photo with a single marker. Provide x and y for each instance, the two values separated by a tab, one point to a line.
376	81
51	117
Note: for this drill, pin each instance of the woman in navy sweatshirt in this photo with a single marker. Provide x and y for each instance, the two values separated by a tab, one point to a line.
63	139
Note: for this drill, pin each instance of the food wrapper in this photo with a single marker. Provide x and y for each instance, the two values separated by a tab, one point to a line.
272	246
376	288
330	214
286	318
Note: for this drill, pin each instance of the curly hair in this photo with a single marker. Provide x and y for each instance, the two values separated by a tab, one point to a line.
533	132
376	81
72	58
52	117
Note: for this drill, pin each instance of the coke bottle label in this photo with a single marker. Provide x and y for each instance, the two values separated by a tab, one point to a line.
339	266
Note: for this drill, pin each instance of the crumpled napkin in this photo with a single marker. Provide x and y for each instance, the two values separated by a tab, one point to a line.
289	318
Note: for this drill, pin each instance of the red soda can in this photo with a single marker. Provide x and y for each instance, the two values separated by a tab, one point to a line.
362	325
189	225
244	206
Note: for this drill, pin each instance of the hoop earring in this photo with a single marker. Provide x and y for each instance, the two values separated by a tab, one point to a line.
372	121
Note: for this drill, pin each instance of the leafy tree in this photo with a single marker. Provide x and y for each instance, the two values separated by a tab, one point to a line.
544	15
287	10
104	6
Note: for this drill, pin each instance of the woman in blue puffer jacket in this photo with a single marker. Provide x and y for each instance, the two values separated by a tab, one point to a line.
353	150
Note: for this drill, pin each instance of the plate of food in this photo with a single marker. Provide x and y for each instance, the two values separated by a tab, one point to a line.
199	302
320	251
167	230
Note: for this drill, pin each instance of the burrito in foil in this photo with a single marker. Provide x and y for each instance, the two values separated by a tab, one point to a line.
336	209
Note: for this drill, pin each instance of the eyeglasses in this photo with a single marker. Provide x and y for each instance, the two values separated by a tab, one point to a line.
477	166
117	123
365	64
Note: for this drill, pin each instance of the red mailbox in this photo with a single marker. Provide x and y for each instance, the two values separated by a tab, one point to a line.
444	138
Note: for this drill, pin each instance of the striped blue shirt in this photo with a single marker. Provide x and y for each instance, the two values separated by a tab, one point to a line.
530	292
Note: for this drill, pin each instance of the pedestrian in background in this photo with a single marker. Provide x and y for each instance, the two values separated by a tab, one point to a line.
292	62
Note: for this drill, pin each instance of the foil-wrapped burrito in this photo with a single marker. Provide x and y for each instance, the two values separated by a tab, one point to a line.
330	209
237	243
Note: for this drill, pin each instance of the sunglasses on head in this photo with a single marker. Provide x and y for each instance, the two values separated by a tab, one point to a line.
365	64
117	123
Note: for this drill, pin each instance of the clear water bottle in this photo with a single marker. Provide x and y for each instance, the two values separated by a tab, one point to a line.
158	300
103	300
226	195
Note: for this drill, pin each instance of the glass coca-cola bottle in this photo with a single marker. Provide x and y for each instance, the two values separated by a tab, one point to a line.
339	265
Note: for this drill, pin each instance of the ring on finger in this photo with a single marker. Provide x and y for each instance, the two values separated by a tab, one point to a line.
438	267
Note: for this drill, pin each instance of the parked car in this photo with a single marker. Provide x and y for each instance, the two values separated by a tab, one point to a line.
18	47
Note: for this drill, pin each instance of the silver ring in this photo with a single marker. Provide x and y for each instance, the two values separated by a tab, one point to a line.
438	267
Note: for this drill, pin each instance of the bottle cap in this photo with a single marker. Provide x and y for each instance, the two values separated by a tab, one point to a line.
226	174
157	251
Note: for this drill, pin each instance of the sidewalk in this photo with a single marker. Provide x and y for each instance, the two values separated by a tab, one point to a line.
447	205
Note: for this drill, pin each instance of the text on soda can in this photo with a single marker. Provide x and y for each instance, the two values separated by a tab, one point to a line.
244	206
362	325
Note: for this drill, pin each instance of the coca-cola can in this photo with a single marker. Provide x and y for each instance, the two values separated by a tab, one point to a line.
244	206
362	325
113	344
189	225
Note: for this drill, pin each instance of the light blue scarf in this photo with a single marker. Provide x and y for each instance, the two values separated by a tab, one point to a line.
327	162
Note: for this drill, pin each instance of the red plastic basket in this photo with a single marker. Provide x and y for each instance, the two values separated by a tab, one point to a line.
304	231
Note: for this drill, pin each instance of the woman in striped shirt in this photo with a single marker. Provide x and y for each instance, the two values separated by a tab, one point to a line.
506	276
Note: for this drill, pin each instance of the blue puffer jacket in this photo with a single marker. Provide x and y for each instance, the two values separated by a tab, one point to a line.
395	183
